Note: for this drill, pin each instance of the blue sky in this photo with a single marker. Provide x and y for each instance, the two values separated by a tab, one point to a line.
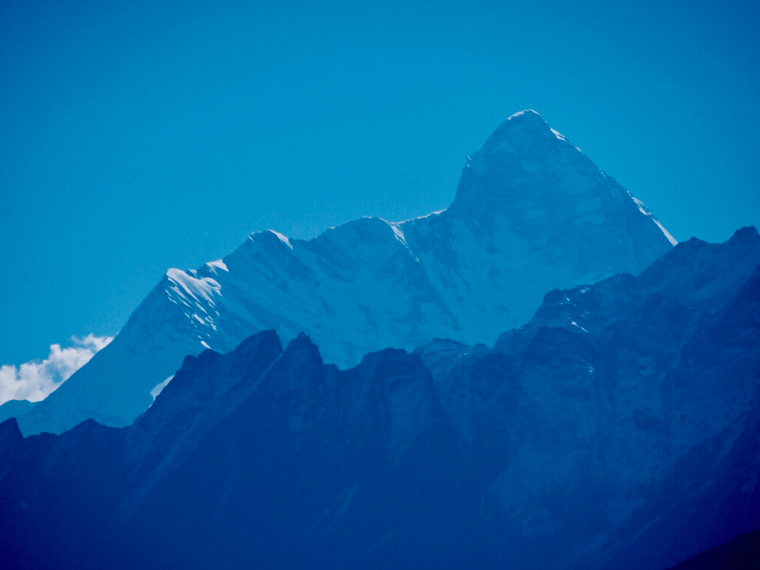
143	136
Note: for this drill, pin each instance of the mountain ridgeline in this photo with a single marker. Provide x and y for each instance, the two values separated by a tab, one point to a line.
537	377
617	429
531	213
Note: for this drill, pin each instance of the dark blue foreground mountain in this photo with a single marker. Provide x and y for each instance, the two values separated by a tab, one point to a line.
739	553
618	429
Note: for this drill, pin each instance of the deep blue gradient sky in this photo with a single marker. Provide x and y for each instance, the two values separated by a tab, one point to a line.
142	136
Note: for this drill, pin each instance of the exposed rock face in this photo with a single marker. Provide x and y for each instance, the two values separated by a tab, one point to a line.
620	428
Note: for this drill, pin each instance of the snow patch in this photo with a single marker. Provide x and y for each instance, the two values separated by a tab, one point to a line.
524	112
218	264
576	325
563	138
283	238
158	388
643	209
397	231
423	217
558	134
186	283
197	296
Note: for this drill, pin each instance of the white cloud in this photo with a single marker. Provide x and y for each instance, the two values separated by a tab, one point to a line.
36	379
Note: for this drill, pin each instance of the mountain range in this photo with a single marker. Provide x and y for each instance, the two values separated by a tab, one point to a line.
531	213
538	377
617	429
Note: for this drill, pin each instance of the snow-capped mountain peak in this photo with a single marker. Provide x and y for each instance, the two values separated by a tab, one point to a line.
531	213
